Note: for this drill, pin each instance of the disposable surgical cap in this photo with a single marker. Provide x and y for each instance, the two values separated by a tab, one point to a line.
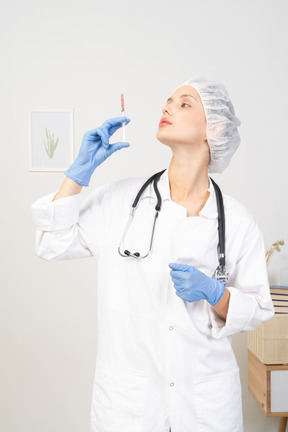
221	130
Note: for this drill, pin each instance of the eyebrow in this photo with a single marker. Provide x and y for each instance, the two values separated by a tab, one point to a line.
182	96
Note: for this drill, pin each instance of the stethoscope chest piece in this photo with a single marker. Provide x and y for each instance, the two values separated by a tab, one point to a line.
221	273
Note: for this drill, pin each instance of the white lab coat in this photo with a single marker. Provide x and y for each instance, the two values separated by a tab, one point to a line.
161	362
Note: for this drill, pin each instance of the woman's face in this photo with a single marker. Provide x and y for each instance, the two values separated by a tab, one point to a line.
183	120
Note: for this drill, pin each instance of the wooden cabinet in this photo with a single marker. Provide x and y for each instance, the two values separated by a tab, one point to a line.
268	384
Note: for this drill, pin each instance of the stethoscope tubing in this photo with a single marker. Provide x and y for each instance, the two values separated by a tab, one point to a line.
220	272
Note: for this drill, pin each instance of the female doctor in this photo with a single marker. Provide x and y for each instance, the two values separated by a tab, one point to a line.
164	359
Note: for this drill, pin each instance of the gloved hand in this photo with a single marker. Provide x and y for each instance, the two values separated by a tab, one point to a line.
95	149
193	285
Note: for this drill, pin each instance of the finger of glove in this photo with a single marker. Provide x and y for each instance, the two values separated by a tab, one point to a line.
179	288
117	146
110	123
115	123
181	295
113	129
104	138
122	122
180	267
179	275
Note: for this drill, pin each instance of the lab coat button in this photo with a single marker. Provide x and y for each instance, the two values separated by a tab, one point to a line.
171	384
171	328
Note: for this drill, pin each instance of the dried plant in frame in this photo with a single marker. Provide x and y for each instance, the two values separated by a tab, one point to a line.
51	144
50	139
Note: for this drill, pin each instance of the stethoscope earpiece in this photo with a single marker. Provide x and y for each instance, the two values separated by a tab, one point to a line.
136	254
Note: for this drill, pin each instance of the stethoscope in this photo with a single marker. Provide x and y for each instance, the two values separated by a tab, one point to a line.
220	272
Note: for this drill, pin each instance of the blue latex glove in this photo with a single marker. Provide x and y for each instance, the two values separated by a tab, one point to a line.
193	285
95	149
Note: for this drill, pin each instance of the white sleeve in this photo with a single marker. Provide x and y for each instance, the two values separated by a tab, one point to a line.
250	301
70	227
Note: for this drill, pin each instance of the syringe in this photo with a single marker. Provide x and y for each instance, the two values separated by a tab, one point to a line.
123	114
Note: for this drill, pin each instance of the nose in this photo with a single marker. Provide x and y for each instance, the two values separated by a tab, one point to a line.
166	109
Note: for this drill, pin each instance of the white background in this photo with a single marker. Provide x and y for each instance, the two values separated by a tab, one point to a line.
83	54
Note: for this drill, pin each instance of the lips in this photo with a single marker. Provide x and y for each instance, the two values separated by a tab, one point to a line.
164	121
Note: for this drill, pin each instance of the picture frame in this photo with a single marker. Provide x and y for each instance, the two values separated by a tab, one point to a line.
50	139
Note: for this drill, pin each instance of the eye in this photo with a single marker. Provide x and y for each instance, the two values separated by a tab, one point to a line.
184	103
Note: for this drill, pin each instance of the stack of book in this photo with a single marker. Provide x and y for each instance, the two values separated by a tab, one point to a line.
279	296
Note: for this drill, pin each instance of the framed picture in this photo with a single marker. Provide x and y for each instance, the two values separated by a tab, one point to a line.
50	139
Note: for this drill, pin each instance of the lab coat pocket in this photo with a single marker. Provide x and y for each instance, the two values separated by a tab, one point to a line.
219	402
198	314
118	399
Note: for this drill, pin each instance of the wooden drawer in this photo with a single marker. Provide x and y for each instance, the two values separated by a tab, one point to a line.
268	384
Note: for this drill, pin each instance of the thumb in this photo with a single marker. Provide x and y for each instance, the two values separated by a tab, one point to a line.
179	267
118	146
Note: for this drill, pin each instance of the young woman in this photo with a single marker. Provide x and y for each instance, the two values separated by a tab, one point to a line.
165	318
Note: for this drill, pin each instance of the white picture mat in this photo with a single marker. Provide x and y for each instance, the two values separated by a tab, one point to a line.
58	122
279	391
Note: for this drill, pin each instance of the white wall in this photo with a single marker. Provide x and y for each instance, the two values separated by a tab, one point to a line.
83	54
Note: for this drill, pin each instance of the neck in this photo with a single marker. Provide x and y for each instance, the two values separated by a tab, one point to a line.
188	178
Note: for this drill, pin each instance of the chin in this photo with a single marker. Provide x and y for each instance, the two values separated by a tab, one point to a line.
162	137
